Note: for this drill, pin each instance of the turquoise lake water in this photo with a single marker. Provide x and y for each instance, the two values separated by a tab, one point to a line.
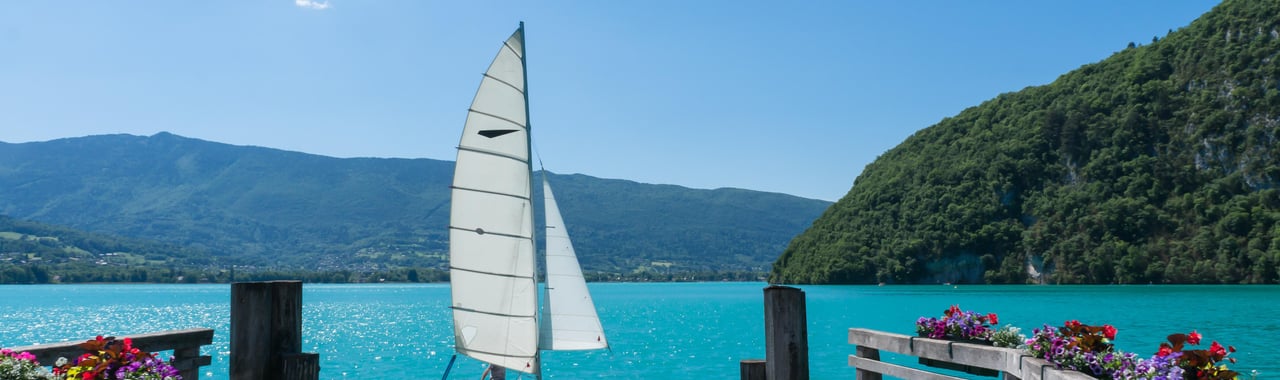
658	331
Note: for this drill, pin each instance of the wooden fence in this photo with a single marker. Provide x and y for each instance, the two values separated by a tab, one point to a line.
184	343
968	357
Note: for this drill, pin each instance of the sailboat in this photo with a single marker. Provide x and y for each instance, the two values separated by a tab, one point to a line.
498	317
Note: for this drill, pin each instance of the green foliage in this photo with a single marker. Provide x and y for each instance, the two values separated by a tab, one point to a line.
35	253
271	211
1156	165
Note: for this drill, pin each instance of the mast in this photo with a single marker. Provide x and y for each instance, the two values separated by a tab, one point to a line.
528	127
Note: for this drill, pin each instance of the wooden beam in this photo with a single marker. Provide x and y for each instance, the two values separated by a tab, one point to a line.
895	370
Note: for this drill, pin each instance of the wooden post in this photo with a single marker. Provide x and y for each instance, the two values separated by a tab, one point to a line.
869	353
752	369
266	327
301	366
182	356
786	334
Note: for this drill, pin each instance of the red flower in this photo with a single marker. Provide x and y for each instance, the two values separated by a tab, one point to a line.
1072	324
1217	350
955	309
1109	331
1165	350
991	317
1193	337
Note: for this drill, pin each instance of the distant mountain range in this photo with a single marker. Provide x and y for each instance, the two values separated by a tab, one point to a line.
272	209
1159	164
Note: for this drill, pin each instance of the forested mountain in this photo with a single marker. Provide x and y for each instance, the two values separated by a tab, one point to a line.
270	209
1158	164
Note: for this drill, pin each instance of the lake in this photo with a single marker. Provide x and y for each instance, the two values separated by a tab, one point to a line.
657	330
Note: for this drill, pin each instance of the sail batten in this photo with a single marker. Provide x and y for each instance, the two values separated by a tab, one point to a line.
512	122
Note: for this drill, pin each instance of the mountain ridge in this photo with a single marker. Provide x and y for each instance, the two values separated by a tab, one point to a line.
248	205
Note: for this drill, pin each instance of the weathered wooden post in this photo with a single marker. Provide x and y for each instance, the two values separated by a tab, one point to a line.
869	353
266	332
786	332
752	369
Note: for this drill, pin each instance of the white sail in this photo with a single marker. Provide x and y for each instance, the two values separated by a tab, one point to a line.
491	243
569	316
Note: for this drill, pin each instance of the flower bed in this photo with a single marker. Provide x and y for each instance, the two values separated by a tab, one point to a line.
21	366
1088	349
104	359
969	327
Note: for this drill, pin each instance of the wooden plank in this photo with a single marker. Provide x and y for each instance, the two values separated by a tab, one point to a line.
1039	369
976	355
752	369
47	354
895	370
786	334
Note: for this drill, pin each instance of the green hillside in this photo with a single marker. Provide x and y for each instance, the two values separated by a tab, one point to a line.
1158	164
268	209
40	253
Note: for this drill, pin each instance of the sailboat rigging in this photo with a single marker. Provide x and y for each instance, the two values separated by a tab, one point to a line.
497	316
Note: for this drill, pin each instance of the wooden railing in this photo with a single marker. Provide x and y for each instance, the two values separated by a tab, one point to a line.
1013	363
184	343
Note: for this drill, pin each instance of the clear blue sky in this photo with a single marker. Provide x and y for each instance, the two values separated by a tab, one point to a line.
789	97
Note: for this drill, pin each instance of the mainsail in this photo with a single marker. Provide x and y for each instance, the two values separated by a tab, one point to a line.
492	261
569	316
492	264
